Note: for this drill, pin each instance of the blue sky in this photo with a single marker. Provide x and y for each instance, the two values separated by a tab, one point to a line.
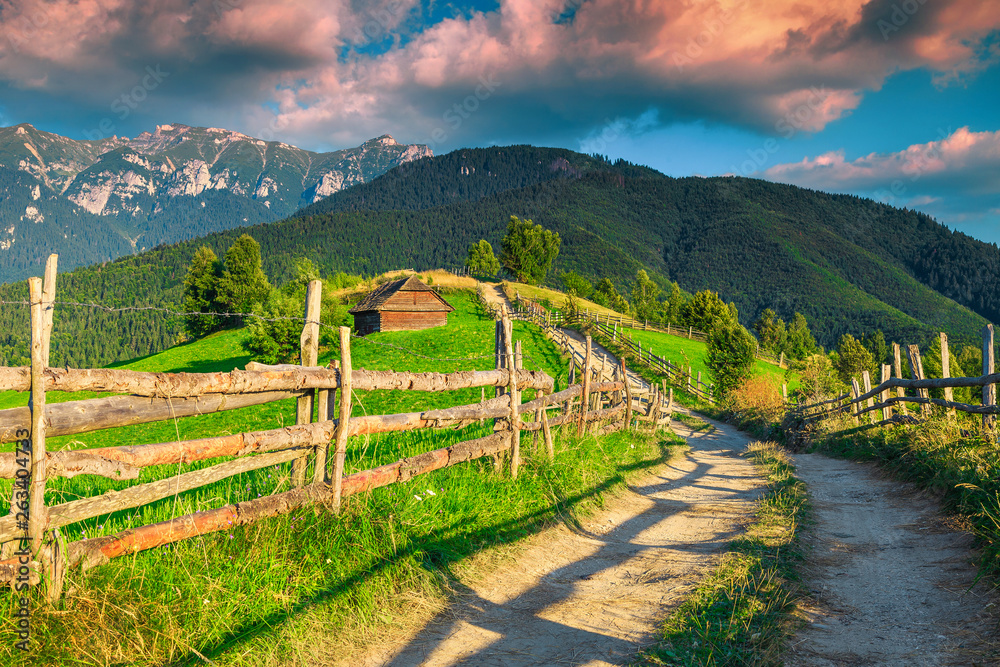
895	100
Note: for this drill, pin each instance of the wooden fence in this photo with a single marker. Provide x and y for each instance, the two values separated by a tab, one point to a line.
319	436
677	375
876	404
617	321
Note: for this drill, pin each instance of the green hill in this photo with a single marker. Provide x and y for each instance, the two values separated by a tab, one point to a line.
848	264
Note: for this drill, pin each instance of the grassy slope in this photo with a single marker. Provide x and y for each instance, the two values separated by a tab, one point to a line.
674	348
686	352
274	590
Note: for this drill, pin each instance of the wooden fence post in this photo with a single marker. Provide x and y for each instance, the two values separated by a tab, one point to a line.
515	399
949	393
585	396
897	369
867	379
309	356
784	392
855	392
628	397
917	367
498	332
989	390
51	556
547	434
884	396
37	518
344	416
690	331
689	379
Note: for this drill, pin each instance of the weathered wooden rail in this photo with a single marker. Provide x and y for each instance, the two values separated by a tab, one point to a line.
34	526
878	401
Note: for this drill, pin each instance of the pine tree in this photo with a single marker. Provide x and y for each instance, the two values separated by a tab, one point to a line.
243	284
201	293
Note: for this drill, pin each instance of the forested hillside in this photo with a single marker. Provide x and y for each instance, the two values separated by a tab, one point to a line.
848	264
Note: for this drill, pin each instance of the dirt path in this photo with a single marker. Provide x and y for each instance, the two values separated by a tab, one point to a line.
890	581
595	597
494	295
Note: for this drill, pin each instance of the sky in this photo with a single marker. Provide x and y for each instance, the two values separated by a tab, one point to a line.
896	100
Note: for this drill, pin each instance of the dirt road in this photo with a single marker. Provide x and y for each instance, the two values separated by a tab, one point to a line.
891	583
595	597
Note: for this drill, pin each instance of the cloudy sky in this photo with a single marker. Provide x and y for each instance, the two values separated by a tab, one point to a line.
892	99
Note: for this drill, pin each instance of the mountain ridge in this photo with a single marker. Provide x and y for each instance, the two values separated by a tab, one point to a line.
849	264
125	195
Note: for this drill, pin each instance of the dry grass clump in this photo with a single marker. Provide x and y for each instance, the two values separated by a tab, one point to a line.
756	400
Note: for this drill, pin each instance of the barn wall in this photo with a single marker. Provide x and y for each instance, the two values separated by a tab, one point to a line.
366	322
401	321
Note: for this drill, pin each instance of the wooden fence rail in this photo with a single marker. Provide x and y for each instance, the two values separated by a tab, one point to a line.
874	399
163	396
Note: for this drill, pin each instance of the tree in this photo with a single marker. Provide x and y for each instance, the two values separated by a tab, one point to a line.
201	293
705	311
576	284
801	343
606	295
274	337
771	332
528	250
731	351
674	304
644	294
853	358
243	285
875	343
481	260
817	379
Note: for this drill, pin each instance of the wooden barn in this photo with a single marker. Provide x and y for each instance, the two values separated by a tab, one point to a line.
406	304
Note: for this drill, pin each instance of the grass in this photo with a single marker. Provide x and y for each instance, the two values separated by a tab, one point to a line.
295	588
555	297
959	460
685	352
743	613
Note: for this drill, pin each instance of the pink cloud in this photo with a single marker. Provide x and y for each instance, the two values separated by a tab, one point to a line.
973	157
750	63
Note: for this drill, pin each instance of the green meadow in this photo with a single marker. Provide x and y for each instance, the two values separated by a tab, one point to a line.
264	593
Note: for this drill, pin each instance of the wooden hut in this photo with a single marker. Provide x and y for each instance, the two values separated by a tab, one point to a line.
400	305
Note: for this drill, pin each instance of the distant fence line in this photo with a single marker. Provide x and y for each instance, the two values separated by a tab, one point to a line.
529	305
875	402
319	436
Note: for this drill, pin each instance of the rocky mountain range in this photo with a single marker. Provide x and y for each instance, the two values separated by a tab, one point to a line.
91	201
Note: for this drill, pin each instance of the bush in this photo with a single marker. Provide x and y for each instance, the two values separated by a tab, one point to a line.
731	355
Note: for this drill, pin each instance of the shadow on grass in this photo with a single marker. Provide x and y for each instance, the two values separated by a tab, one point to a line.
441	554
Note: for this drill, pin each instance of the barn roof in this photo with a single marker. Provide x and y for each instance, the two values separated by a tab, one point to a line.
381	298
